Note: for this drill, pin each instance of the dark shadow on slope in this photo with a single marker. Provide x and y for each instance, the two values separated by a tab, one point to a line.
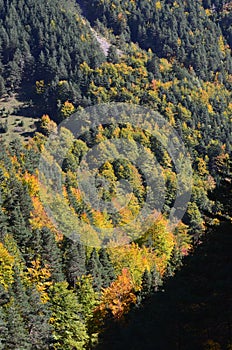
195	308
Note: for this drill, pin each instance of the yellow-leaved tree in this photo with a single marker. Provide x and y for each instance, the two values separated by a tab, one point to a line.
6	267
67	109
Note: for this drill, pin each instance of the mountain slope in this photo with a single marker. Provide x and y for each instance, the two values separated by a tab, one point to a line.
172	29
194	311
45	41
55	292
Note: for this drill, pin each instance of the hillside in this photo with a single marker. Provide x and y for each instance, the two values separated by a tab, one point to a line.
116	172
193	312
184	31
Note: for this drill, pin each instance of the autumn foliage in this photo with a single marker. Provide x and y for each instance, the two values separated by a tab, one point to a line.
118	298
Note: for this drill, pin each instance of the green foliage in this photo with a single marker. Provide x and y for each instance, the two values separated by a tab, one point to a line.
180	30
108	273
6	267
74	260
145	287
51	254
34	312
194	218
89	299
94	268
55	293
193	309
3	329
86	296
17	336
69	331
112	55
39	50
156	280
159	237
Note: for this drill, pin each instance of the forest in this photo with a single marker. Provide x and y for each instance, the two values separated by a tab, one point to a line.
162	286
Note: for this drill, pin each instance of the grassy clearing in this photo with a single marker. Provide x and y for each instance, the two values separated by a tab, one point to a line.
17	118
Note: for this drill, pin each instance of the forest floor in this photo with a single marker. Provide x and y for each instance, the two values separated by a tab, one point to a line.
18	117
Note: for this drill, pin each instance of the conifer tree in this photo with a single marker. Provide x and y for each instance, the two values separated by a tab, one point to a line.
35	244
34	313
94	268
40	331
24	201
112	55
4	295
3	218
17	335
74	260
51	254
146	285
3	329
19	294
107	270
19	230
176	258
2	86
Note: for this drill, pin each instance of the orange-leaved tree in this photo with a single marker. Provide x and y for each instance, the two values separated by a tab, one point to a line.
118	298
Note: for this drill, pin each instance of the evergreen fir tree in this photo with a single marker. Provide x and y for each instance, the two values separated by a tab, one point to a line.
34	313
74	260
168	272
2	86
19	294
4	296
4	156
17	335
3	219
94	268
35	244
40	331
3	329
25	203
19	230
107	270
176	259
146	288
112	55
51	254
146	284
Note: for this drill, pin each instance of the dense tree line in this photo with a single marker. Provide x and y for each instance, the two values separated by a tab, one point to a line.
44	42
193	310
55	292
221	10
172	29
